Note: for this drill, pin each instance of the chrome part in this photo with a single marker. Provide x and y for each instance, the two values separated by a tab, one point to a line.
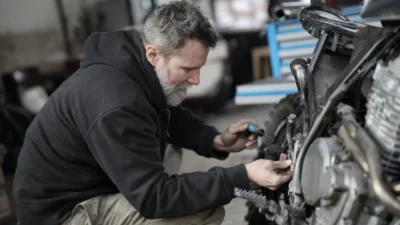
289	134
336	186
371	151
299	71
353	148
275	212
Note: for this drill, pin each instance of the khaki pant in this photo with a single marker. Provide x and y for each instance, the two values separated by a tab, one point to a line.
116	210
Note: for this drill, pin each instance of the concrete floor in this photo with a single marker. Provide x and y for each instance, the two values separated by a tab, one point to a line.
235	210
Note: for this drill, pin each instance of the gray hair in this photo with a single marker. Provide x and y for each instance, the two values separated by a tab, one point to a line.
170	25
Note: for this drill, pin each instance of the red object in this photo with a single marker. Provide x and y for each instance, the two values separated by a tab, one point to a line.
331	4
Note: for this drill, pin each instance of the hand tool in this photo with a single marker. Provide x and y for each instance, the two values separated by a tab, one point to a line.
255	129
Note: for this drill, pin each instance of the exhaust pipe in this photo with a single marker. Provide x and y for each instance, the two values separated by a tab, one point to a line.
299	71
372	157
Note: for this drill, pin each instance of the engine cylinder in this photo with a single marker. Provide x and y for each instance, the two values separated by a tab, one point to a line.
383	116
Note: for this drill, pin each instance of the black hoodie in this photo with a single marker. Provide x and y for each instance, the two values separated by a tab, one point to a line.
104	131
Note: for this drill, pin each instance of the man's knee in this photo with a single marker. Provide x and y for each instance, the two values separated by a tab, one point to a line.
209	217
116	210
125	212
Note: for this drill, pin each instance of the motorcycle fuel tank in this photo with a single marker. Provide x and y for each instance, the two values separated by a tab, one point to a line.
381	9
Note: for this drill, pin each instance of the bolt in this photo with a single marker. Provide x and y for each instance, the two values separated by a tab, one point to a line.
345	156
336	160
325	202
378	209
347	222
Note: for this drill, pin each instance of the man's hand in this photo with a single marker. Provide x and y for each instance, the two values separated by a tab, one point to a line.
269	174
236	138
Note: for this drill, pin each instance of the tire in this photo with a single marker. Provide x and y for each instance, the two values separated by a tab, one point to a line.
275	125
257	218
276	119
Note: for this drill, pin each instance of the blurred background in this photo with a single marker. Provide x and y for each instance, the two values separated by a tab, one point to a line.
41	46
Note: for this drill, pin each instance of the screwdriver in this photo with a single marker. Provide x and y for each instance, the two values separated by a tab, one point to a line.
255	129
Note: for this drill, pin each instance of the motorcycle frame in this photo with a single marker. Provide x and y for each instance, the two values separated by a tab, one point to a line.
315	118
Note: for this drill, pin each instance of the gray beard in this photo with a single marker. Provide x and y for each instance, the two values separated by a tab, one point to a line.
175	94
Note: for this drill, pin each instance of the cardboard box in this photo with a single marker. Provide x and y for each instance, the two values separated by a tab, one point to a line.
261	63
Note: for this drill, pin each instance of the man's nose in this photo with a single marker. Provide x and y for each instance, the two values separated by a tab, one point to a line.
194	78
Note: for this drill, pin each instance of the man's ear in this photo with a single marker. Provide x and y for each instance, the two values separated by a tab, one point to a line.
152	54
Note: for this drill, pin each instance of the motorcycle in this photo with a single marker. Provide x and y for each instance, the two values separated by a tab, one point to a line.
341	130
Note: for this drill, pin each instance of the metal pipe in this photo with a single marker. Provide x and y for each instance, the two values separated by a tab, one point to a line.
316	58
365	142
64	27
354	149
299	71
298	68
346	113
289	135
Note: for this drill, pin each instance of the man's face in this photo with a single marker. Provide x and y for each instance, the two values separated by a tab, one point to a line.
181	71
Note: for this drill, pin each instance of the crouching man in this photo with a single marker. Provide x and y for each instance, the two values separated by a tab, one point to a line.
94	153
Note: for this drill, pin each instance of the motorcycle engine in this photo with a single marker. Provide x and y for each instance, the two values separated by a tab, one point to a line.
333	182
383	116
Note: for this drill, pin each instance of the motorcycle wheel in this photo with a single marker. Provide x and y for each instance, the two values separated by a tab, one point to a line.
275	124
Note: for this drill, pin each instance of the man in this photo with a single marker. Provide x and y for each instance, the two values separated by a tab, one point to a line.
94	154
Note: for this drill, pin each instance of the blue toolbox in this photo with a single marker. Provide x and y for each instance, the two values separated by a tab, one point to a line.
287	40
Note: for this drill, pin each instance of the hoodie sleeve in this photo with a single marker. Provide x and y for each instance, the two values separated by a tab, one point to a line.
123	142
188	131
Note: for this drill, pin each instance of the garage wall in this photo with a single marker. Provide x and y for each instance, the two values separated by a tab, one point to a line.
30	31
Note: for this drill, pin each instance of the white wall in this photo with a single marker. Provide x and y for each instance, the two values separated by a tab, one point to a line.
30	32
18	16
22	16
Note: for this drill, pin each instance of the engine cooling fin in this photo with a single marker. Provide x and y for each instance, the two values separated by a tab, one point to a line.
383	116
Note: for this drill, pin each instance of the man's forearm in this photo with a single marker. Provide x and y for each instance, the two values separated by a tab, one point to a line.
188	131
